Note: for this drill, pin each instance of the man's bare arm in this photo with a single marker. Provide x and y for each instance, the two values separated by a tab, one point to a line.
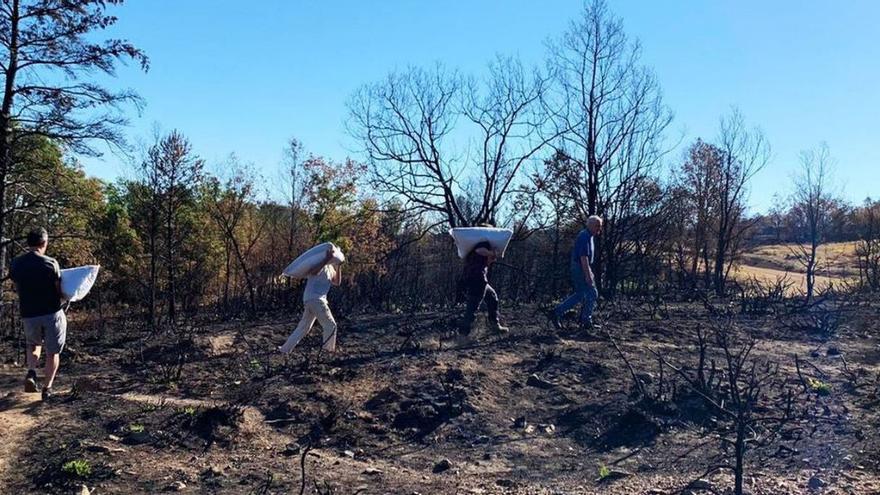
588	272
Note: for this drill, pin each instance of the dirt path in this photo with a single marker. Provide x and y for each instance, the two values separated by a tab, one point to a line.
161	400
22	413
17	418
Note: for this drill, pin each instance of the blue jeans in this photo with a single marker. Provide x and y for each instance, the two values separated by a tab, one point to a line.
583	293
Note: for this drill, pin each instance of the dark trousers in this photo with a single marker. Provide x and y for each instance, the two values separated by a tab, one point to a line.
476	292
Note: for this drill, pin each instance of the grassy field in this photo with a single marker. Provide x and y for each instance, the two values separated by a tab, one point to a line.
837	263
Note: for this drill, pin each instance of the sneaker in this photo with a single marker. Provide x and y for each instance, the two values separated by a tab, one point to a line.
499	328
553	317
30	382
589	329
47	393
556	320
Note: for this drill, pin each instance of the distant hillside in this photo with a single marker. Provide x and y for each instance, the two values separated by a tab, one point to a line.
837	261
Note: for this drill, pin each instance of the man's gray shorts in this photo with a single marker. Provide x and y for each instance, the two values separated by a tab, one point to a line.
50	331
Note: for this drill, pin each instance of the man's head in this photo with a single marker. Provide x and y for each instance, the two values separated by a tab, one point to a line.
37	239
594	224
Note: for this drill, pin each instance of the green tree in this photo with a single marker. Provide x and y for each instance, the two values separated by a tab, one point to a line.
232	206
167	214
120	248
331	193
56	195
49	52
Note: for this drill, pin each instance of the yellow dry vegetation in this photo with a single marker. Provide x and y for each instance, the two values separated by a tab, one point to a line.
837	263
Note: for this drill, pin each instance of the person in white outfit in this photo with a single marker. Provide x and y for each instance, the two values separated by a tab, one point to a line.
315	305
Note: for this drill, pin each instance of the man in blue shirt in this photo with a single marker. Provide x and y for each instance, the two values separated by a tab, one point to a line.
582	279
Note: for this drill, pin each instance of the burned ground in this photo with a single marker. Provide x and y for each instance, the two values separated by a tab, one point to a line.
407	406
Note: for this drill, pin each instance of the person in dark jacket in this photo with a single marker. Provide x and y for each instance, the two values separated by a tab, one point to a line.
37	280
475	286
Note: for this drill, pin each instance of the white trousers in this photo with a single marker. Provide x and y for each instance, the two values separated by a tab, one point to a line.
315	309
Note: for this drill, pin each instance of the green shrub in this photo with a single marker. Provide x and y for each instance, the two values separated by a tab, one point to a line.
819	386
79	468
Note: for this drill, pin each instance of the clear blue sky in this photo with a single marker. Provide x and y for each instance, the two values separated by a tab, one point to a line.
245	76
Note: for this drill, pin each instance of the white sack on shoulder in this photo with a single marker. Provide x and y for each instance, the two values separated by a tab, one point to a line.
77	282
309	260
468	237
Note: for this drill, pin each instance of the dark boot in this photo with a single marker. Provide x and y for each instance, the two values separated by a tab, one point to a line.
589	329
30	382
498	328
48	393
465	325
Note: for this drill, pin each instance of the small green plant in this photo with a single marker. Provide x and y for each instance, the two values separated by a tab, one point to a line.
819	386
79	468
189	411
136	428
604	472
154	406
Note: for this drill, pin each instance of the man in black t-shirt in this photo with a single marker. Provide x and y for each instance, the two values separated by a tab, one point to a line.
37	280
475	284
